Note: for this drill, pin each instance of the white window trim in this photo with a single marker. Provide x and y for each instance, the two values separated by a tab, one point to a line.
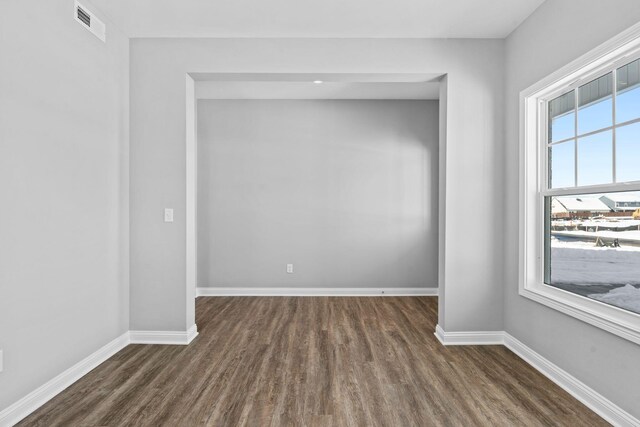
533	118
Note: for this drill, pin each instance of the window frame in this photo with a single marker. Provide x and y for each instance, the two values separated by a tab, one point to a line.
534	183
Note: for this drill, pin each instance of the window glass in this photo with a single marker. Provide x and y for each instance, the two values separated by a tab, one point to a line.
592	247
628	92
562	165
595	159
595	109
562	117
628	153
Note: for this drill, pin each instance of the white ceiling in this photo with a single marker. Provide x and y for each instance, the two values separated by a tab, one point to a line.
323	18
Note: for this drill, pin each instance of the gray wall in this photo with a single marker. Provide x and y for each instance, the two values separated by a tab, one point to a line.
347	191
472	263
63	189
557	33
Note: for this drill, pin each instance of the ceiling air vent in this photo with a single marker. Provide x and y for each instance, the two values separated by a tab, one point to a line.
89	21
83	16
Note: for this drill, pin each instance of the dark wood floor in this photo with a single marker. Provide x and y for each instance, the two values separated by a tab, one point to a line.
283	361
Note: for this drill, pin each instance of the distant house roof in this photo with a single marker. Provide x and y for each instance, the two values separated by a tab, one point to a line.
622	202
622	197
556	207
582	204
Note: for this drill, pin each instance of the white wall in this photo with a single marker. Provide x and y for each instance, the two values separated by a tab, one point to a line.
347	191
557	33
472	259
63	190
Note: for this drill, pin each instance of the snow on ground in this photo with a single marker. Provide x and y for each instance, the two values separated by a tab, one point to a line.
611	224
582	263
632	236
577	244
605	274
627	297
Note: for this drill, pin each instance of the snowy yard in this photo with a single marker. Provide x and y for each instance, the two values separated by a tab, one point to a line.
610	275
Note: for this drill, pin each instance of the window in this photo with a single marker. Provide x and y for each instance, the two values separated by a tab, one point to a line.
580	192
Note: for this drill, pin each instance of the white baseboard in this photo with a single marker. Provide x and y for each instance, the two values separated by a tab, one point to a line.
585	394
312	292
164	337
25	406
469	338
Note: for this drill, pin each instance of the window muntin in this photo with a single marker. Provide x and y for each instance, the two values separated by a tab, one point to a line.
592	241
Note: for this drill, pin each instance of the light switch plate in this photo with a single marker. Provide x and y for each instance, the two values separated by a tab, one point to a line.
168	215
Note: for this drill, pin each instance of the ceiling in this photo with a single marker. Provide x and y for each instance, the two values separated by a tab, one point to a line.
325	18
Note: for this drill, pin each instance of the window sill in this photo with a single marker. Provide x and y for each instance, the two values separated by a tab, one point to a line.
622	323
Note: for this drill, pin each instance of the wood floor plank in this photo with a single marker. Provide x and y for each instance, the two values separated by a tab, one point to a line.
314	361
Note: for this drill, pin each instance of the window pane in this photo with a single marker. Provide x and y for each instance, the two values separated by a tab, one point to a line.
562	165
592	247
628	92
595	109
628	153
562	117
595	159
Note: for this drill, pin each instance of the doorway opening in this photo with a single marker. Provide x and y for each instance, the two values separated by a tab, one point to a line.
314	184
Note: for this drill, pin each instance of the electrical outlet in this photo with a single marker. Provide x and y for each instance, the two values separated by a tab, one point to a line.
1	364
289	268
168	215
